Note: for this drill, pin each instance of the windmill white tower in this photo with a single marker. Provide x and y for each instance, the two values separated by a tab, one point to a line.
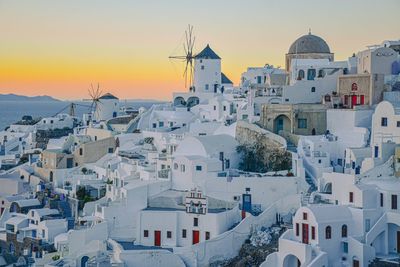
103	107
207	71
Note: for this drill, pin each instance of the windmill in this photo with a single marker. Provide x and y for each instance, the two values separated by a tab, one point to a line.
188	46
95	94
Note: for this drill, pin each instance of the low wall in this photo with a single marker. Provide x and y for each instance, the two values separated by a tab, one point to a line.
228	244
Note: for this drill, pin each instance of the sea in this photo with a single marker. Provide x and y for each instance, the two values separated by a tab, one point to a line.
12	111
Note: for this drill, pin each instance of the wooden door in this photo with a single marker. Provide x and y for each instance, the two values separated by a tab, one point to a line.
356	263
362	100
157	238
353	100
305	233
196	237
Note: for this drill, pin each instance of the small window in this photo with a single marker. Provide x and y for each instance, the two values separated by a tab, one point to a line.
160	124
175	166
80	151
207	235
169	234
215	107
344	230
110	150
183	168
154	125
381	199
183	233
195	221
146	233
394	202
351	197
345	247
313	232
297	229
328	232
384	122
304	215
206	86
313	89
224	108
302	123
398	124
198	168
202	67
301	75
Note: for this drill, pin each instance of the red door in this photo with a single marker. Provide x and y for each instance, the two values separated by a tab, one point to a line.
196	237
305	233
157	238
353	100
362	100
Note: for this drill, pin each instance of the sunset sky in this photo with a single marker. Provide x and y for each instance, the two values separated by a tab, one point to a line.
58	48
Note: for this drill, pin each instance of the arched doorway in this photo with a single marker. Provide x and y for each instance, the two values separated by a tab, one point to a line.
328	188
192	101
291	261
84	261
179	101
281	123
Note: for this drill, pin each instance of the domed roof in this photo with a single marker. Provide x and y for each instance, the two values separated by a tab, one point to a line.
309	43
108	96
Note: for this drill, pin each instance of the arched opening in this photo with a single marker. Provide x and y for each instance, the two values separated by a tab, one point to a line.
327	188
179	101
192	101
344	230
51	176
328	232
281	123
300	75
291	261
84	261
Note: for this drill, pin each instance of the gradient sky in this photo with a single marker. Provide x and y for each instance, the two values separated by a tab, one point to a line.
58	48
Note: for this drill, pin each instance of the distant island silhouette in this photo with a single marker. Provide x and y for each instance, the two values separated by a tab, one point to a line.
14	97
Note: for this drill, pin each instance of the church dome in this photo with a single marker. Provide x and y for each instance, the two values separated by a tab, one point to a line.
309	43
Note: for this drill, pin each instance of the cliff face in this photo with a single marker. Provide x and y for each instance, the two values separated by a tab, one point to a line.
261	150
247	133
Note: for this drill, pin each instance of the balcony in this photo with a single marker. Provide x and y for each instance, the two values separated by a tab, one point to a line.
164	174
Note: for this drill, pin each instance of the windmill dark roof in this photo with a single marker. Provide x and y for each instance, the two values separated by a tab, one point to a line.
207	53
107	96
224	79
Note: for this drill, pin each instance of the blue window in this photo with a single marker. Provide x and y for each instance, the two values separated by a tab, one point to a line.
198	168
376	151
160	124
154	125
311	74
302	123
384	121
345	247
206	86
258	79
